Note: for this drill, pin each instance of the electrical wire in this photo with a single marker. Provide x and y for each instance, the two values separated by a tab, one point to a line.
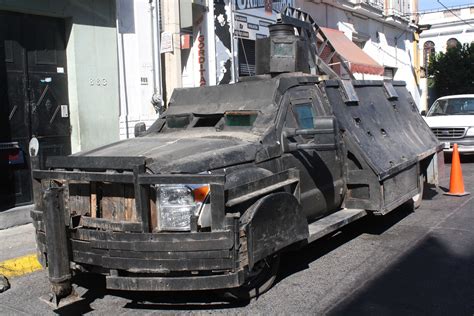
452	12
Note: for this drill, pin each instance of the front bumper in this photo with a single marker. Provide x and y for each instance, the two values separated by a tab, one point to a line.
153	261
465	145
130	253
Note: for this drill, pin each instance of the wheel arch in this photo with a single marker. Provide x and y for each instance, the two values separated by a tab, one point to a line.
272	223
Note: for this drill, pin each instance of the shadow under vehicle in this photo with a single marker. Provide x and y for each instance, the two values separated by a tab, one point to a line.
231	176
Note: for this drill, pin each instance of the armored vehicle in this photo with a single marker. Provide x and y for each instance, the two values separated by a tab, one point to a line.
231	176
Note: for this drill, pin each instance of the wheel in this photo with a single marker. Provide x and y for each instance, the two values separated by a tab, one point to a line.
259	280
419	197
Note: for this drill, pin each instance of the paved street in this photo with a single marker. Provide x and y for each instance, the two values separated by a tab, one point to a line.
407	263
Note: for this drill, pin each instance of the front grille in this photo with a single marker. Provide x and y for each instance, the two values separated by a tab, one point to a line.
449	132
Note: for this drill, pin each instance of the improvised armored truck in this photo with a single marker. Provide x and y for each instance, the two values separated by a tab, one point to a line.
230	176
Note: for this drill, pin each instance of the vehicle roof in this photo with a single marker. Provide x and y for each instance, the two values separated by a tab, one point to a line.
456	96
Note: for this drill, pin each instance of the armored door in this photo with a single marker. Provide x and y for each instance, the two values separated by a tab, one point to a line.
320	163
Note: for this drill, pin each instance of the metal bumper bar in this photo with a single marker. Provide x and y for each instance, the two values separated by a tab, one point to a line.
141	180
211	282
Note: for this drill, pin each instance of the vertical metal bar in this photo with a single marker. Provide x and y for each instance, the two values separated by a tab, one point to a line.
142	199
235	228
56	242
217	206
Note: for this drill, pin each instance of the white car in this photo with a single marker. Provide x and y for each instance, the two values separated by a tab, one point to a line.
451	119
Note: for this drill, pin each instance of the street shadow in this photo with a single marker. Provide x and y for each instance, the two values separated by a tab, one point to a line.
463	158
430	280
299	260
93	288
430	191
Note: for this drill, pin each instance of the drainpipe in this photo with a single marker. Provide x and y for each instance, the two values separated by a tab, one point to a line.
125	87
156	98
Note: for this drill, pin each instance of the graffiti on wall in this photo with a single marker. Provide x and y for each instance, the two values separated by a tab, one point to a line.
222	20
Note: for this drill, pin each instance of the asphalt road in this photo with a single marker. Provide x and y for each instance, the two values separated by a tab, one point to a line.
406	263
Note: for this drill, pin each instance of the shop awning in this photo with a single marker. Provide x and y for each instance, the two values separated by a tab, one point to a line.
358	61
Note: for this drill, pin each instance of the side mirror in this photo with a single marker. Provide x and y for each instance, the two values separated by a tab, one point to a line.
292	132
423	113
140	129
325	129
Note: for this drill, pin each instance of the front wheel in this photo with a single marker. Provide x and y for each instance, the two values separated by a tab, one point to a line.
259	280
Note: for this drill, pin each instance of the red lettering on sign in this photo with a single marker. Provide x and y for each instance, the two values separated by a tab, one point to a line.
202	60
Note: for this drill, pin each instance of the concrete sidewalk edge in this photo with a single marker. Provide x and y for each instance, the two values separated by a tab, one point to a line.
15	216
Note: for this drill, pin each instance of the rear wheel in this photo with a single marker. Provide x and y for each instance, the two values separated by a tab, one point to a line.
259	280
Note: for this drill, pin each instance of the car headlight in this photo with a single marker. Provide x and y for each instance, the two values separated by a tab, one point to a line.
470	131
177	203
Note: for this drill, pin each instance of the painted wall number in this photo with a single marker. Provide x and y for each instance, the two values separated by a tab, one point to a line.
98	82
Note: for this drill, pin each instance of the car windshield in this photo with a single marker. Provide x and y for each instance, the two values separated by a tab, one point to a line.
454	106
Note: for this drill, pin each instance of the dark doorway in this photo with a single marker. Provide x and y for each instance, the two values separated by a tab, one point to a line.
33	99
246	57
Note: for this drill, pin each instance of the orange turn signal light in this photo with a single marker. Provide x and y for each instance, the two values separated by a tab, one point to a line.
201	193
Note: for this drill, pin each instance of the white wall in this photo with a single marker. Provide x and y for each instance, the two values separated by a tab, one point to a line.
135	58
445	26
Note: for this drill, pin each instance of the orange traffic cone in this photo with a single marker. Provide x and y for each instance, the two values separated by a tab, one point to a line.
456	183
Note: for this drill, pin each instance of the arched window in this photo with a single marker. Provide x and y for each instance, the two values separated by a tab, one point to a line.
428	51
452	43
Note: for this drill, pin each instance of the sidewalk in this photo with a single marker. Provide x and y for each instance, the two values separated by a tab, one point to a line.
15	216
17	253
17	241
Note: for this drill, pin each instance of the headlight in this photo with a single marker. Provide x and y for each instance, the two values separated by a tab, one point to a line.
176	204
470	131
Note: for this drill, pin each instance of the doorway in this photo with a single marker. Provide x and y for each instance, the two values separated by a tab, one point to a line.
33	99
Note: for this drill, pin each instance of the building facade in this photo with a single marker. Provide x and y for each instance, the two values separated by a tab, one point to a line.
214	41
447	27
139	63
163	45
385	30
59	83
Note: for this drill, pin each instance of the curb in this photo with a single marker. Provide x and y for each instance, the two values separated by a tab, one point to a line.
19	266
15	216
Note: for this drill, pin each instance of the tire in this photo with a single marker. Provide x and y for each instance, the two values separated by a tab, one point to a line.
260	279
419	197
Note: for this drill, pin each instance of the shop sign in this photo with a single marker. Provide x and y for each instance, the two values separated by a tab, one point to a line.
257	4
202	60
253	17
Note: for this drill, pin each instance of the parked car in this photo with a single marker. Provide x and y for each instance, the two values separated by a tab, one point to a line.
451	118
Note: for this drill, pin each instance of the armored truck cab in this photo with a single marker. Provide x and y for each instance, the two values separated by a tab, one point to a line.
228	178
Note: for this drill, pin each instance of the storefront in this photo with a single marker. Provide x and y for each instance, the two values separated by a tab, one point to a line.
218	41
251	20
